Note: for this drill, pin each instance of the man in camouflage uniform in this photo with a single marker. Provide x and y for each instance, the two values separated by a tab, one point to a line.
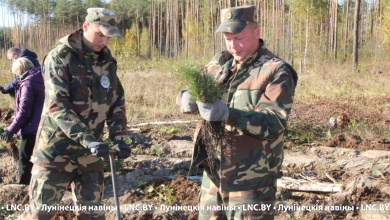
255	105
83	93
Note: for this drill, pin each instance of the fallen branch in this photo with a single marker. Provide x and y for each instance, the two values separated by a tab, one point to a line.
308	186
293	184
330	177
160	123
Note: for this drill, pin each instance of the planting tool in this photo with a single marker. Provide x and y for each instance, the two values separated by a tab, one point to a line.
111	155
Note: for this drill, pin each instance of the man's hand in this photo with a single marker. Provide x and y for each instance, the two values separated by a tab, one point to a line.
98	149
216	111
122	149
5	136
2	89
184	100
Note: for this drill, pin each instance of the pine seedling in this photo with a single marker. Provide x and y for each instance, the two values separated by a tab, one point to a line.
203	88
200	85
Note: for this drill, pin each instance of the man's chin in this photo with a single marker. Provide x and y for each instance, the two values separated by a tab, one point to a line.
239	58
97	49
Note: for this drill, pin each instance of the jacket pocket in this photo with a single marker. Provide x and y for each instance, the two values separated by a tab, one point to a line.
80	93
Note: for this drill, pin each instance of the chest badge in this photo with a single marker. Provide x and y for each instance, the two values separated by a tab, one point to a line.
105	81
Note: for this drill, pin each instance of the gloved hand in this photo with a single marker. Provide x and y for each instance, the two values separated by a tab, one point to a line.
2	89
122	149
184	100
5	136
98	149
216	111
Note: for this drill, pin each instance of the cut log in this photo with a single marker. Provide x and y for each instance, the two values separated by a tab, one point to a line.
308	186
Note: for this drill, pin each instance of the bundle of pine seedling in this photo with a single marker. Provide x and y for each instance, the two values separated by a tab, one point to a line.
203	88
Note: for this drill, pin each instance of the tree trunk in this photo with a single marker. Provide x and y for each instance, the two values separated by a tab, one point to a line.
355	59
335	30
152	27
346	28
160	24
306	38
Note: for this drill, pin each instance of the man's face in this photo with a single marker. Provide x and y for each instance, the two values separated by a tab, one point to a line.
94	38
242	45
12	57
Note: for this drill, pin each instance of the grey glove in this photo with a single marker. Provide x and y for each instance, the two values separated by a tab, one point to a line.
216	111
98	149
122	150
185	102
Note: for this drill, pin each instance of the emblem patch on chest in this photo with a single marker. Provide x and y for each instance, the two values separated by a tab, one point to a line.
105	81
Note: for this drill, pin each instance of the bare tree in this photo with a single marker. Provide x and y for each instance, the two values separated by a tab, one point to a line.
355	59
335	21
346	27
152	27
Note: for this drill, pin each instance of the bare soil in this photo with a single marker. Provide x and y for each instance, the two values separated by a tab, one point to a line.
153	182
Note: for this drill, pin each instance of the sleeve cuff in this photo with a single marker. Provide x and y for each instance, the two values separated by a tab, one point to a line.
87	140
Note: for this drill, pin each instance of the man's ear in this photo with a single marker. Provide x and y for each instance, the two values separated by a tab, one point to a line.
85	26
257	31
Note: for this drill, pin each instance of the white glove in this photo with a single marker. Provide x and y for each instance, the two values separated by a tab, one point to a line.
216	111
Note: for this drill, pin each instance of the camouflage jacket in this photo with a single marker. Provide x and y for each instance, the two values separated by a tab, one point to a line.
83	93
259	96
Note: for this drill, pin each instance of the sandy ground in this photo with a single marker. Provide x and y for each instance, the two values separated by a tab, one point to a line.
152	183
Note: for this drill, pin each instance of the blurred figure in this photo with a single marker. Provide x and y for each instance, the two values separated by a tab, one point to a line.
12	54
29	98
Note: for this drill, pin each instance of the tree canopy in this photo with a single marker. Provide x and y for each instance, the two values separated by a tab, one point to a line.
300	31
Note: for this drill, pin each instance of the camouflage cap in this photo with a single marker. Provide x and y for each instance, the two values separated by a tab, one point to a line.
105	18
235	19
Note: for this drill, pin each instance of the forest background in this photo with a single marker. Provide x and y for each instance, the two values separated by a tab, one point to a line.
305	33
340	49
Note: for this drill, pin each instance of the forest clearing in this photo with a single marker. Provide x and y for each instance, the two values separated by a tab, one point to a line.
337	149
338	171
343	177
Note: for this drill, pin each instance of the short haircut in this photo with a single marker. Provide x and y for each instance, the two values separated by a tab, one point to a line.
13	50
21	65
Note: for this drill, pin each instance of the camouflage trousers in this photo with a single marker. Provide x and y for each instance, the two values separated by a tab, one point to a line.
251	204
48	185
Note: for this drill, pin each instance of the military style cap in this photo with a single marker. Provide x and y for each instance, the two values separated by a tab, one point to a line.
235	19
105	18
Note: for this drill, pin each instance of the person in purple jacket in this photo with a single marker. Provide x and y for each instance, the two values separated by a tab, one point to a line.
29	98
14	53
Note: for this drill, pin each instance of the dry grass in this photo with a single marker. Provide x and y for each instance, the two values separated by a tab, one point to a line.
341	83
364	96
6	77
150	95
151	90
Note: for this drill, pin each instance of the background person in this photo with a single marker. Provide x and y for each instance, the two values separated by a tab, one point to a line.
29	97
83	93
14	53
256	102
